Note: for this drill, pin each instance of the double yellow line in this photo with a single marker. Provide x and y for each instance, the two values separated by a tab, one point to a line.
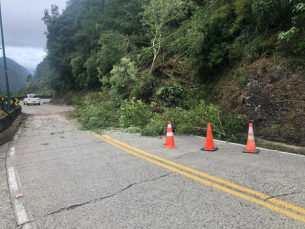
223	185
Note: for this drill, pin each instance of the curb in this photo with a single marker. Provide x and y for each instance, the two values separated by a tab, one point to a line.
8	134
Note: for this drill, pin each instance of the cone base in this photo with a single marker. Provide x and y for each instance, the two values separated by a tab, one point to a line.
204	149
255	152
169	146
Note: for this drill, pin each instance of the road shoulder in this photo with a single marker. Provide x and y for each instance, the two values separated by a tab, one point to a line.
7	219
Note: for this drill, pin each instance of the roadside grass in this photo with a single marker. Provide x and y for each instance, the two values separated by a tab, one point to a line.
99	111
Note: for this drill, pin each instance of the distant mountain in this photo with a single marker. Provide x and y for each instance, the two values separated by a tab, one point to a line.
31	70
16	75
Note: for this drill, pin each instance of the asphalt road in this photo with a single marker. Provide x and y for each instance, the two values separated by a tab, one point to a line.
71	178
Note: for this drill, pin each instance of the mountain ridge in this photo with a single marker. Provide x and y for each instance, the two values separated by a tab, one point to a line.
16	73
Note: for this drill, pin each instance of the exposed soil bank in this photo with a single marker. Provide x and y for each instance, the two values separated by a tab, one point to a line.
270	94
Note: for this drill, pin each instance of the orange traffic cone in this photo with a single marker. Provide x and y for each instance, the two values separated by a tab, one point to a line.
169	143
251	148
209	143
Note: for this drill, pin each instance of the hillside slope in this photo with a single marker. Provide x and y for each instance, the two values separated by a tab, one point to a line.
145	62
17	75
269	93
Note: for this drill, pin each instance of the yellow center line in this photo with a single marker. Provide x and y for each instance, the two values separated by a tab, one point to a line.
219	180
161	162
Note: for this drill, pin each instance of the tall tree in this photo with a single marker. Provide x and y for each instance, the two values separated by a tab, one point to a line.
156	17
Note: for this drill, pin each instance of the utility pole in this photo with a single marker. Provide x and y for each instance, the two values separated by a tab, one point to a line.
5	68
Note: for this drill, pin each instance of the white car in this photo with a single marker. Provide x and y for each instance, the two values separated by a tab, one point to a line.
31	99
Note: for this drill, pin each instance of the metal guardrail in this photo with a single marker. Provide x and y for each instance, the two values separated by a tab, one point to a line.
10	117
7	120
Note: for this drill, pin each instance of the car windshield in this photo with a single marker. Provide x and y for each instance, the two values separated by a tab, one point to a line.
33	96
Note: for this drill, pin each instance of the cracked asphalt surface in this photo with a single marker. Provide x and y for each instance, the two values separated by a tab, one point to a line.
72	179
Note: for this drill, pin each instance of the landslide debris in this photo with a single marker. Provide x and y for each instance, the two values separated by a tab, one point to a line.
269	93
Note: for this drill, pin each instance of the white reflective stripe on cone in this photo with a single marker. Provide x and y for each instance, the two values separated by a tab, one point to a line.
170	134
169	126
251	130
250	137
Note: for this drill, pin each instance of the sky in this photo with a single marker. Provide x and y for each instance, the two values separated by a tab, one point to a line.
23	29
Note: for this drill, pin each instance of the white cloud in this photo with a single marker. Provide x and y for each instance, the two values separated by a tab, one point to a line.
24	30
27	57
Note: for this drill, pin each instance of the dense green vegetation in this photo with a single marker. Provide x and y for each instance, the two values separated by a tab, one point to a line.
150	61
